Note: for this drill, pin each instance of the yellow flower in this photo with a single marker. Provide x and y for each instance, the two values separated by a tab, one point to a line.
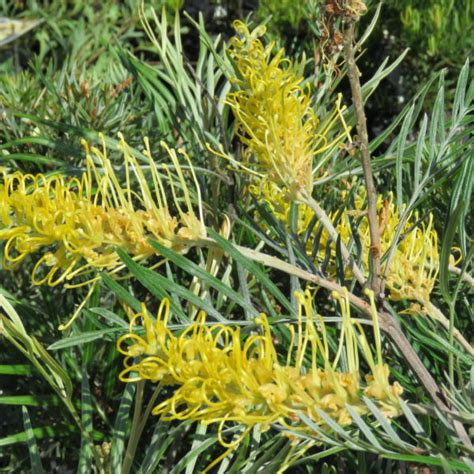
415	263
76	224
274	115
222	378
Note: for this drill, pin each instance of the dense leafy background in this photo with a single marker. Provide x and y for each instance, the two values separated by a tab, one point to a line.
89	67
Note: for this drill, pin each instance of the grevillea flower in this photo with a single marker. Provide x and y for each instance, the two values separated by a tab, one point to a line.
222	377
74	225
274	115
415	262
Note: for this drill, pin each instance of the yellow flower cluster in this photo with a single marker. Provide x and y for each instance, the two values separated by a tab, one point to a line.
77	223
221	378
274	117
415	262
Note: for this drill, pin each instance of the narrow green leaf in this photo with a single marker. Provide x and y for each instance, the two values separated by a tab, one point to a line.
402	139
31	157
252	268
38	433
366	430
160	441
121	427
82	338
109	316
17	369
319	432
460	94
419	151
121	292
446	246
160	286
204	276
29	400
85	453
386	426
430	460
35	460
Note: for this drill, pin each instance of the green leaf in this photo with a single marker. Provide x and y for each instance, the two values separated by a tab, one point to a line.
121	292
446	246
160	285
82	338
204	276
386	426
38	433
34	158
29	400
252	268
402	139
430	460
366	430
110	317
161	439
121	427
35	459
85	453
17	369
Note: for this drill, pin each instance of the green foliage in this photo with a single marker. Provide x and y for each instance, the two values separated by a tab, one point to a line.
283	13
94	67
441	28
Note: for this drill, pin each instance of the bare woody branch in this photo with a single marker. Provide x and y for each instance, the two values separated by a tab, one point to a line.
353	74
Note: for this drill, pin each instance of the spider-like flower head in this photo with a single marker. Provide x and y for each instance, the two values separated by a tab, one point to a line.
76	224
275	119
222	377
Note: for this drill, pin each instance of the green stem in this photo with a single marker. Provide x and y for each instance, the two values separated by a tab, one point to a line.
135	430
451	330
148	409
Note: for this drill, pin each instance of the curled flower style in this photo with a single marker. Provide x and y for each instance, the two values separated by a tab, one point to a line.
76	223
221	377
274	115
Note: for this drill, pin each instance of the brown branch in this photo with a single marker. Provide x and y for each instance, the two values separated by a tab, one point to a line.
361	123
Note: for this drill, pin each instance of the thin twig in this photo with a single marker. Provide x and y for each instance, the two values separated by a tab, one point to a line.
353	74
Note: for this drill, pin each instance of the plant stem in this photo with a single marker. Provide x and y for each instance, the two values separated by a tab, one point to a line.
333	234
135	430
361	123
